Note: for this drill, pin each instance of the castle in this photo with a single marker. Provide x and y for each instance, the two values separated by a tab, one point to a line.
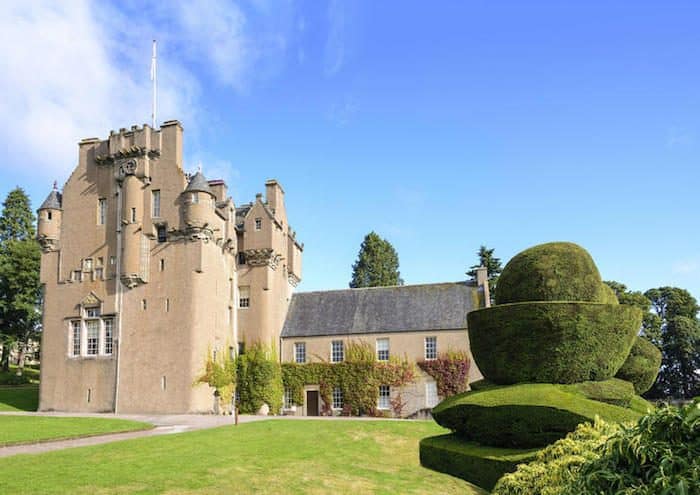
146	270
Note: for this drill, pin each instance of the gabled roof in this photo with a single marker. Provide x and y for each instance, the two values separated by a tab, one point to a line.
52	201
199	183
381	310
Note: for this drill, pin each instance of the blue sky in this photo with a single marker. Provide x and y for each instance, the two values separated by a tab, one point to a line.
441	125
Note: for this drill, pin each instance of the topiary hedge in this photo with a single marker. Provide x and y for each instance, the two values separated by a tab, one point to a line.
642	365
556	271
480	465
552	342
525	415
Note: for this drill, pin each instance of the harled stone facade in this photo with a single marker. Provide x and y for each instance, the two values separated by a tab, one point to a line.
146	269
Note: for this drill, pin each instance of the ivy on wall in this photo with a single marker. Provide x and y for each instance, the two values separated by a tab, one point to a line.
451	372
220	374
259	380
359	378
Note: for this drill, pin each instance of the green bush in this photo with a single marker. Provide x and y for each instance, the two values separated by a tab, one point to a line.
556	271
525	415
558	464
552	342
642	365
659	455
480	465
614	391
259	380
609	296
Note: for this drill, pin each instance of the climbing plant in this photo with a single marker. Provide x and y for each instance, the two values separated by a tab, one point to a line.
451	372
220	374
259	379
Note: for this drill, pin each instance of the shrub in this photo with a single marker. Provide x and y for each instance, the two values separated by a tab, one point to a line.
556	271
552	342
450	371
614	391
221	375
659	455
642	365
525	415
557	465
259	380
480	465
608	295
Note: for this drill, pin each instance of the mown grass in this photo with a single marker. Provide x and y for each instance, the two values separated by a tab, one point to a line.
19	398
276	456
30	429
30	375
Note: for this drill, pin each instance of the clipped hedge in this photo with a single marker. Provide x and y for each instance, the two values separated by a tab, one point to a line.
556	271
259	380
552	342
480	465
525	415
642	365
614	391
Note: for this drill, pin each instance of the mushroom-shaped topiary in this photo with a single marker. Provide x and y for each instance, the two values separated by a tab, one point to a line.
642	365
556	271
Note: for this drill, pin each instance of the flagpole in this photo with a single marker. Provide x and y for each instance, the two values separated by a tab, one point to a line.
155	87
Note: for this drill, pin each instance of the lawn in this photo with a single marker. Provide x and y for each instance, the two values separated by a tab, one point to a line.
19	398
30	375
276	456
30	429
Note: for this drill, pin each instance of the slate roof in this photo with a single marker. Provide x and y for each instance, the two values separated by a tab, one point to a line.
199	183
380	310
52	201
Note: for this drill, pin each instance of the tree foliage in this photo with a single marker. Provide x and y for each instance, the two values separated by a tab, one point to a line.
377	264
20	290
492	264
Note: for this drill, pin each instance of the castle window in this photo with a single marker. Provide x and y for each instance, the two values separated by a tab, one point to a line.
384	401
76	331
288	399
337	351
133	215
92	312
431	395
87	265
163	383
98	274
162	232
109	336
155	203
143	304
244	297
77	276
382	349
337	398
162	264
241	348
194	198
112	260
167	305
241	258
48	215
430	348
101	211
93	337
300	352
258	224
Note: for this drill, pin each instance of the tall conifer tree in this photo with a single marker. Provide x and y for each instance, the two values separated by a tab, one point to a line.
377	264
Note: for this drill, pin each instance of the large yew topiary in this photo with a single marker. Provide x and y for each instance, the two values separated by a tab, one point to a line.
556	271
642	365
552	342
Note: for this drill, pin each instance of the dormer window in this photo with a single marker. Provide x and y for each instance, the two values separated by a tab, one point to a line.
93	312
258	224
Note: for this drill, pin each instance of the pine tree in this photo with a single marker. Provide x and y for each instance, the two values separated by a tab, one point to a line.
377	264
20	290
492	264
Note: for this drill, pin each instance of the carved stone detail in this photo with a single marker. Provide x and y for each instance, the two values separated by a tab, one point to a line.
262	257
48	245
132	281
131	152
293	279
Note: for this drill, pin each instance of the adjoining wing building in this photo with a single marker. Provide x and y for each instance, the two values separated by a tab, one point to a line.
146	270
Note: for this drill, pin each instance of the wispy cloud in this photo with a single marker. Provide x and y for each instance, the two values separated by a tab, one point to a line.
342	113
334	56
677	138
685	267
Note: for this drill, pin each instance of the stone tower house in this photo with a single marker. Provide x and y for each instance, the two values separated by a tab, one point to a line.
146	270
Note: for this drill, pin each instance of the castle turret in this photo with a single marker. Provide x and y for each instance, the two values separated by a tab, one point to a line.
49	224
198	203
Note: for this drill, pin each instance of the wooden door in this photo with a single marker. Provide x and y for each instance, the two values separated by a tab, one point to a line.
312	403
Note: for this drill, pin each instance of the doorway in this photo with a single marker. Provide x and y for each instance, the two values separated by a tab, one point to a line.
312	402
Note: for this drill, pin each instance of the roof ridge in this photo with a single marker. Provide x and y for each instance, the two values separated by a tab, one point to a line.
467	283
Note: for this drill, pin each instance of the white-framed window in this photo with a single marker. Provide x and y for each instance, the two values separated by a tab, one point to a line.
384	401
258	224
77	276
109	336
92	312
431	394
76	333
101	211
337	351
288	399
155	203
430	348
93	337
244	297
337	398
382	349
87	265
300	352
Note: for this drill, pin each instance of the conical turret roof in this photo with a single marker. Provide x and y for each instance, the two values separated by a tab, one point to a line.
199	183
52	201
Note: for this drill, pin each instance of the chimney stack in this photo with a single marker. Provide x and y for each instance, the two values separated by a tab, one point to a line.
482	282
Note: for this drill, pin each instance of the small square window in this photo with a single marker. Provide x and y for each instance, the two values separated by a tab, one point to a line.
430	348
258	223
241	258
77	276
98	274
337	398
288	399
300	352
337	351
244	297
92	312
384	401
382	349
162	233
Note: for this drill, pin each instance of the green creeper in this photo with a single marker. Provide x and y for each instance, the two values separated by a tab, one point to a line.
377	264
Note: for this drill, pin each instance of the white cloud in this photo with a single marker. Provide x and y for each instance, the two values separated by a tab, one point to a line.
678	138
686	266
